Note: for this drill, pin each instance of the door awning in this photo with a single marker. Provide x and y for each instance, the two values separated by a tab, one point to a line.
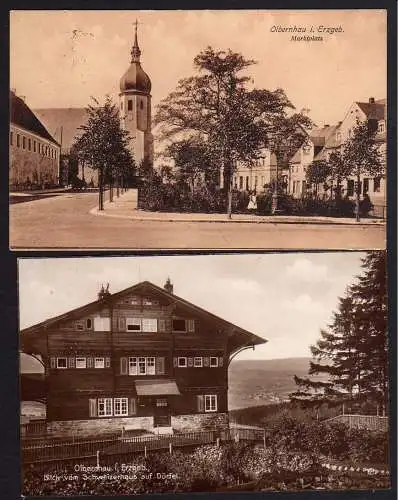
159	387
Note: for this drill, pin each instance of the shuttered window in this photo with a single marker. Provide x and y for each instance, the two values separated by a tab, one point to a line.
123	366
160	370
120	407
200	403
62	363
213	362
92	407
210	403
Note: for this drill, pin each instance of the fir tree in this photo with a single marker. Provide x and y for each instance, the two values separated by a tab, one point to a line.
352	354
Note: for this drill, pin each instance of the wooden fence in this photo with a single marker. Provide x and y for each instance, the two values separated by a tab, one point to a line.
369	422
51	451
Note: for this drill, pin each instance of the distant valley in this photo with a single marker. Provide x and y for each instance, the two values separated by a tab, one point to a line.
263	382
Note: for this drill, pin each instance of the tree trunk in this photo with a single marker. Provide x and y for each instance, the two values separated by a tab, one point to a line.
101	190
357	217
117	187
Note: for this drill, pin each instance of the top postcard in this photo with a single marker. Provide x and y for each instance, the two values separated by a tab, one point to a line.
203	130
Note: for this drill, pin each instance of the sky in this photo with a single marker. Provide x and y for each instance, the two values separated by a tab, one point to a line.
285	298
61	58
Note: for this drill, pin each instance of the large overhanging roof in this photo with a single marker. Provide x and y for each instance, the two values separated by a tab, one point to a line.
238	337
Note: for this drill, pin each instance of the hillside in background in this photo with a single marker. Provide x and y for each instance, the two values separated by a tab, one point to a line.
263	382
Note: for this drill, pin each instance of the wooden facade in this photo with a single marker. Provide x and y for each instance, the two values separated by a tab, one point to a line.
142	352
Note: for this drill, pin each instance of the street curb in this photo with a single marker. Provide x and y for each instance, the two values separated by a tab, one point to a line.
95	211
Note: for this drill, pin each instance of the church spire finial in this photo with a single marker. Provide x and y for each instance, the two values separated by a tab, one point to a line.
135	51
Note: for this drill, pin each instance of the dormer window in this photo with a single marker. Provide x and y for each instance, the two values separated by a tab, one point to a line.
381	128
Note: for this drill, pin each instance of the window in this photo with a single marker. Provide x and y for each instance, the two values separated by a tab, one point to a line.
182	362
62	363
133	324
141	104
198	362
133	366
161	402
129	105
376	185
365	185
381	128
89	323
247	183
240	182
120	407
147	302
135	301
11	138
150	365
255	181
29	144
350	187
99	362
213	362
102	324
149	325
79	325
34	146
23	142
210	402
105	407
179	325
81	363
18	140
121	105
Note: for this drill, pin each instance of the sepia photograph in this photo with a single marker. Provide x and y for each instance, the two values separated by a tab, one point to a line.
206	373
212	129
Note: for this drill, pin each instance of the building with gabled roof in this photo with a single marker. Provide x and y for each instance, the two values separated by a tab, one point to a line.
142	358
34	153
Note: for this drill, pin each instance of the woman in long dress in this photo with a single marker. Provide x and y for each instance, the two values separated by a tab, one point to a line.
252	206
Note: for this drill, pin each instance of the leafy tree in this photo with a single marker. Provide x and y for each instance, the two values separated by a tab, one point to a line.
317	173
216	107
103	144
352	354
339	171
361	156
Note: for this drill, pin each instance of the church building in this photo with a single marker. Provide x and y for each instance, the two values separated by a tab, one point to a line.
135	106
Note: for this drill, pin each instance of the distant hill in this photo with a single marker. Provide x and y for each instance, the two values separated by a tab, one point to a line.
263	382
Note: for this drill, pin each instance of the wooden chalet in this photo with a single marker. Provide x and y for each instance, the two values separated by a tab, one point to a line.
140	358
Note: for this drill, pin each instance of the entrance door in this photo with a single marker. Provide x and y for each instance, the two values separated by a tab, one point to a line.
161	417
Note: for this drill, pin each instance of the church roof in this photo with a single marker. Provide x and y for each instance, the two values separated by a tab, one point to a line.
22	116
135	77
63	123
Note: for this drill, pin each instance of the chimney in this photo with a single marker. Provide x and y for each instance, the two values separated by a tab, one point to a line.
168	286
104	292
371	100
340	122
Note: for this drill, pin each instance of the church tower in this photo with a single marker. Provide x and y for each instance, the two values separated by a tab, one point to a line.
135	106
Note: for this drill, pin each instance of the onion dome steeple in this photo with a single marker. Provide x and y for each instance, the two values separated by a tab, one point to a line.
135	77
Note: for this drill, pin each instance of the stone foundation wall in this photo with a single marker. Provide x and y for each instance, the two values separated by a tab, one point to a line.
85	428
199	422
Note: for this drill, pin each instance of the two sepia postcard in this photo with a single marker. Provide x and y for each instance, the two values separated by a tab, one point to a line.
230	170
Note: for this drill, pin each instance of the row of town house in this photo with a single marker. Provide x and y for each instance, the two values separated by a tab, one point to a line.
322	142
141	358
